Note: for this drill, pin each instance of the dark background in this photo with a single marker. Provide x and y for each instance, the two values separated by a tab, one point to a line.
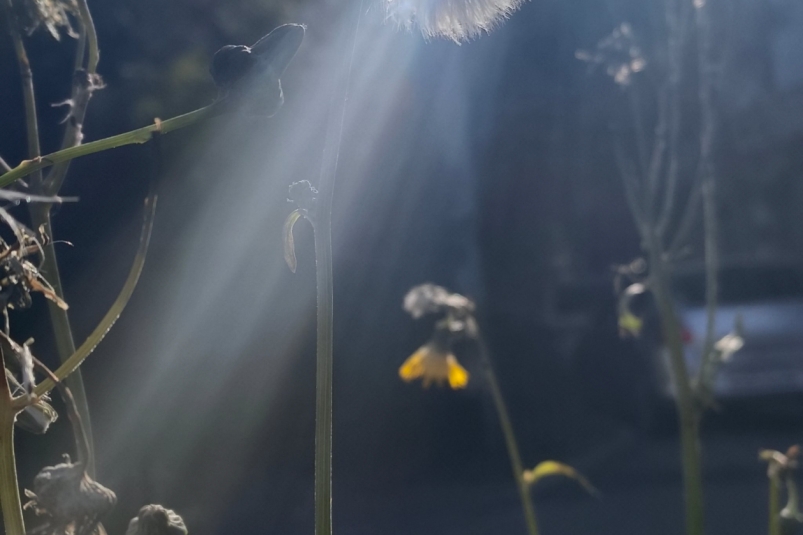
487	168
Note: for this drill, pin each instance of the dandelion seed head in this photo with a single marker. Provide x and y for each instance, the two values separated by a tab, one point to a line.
457	20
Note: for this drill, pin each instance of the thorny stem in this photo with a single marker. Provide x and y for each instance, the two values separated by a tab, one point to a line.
41	217
510	436
83	84
140	135
9	487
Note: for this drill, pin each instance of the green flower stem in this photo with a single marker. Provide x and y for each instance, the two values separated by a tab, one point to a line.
323	380
9	488
138	136
91	36
78	356
775	506
510	438
322	223
60	321
684	399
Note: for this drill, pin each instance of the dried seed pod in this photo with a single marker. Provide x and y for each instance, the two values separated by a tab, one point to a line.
72	501
156	520
248	77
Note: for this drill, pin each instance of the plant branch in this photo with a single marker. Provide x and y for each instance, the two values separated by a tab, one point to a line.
138	136
684	399
510	436
707	175
84	83
675	43
59	319
91	37
92	341
10	501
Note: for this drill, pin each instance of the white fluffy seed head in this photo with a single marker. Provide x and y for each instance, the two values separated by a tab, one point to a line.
458	20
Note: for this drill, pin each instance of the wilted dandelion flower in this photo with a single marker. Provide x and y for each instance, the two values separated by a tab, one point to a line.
430	298
434	363
458	20
156	520
72	501
52	14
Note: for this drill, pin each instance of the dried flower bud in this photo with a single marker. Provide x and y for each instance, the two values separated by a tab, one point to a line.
156	520
37	418
429	298
52	14
248	77
70	498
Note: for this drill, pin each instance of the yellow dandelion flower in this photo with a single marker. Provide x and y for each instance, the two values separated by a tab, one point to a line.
434	364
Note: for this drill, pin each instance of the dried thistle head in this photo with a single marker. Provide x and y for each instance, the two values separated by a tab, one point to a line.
458	20
156	520
71	500
54	15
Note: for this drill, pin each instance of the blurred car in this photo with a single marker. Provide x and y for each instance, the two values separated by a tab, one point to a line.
768	302
630	379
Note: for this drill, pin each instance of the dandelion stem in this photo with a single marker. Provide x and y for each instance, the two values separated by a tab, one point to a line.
510	437
325	314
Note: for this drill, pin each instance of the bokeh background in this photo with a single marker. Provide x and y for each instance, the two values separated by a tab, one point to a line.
487	168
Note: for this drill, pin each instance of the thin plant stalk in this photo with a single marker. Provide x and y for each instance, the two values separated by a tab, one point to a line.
9	487
688	413
60	322
138	136
775	506
40	217
71	364
510	438
322	224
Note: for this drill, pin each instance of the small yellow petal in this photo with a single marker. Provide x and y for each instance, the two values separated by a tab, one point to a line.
413	367
458	376
631	324
554	468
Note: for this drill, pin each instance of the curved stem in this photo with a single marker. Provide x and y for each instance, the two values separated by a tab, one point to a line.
138	136
60	321
75	360
510	437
